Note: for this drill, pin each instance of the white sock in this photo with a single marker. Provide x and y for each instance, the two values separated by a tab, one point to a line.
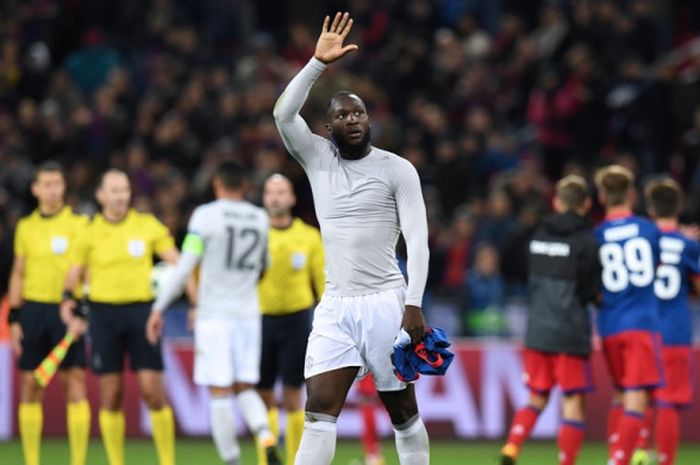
412	442
223	428
318	440
254	413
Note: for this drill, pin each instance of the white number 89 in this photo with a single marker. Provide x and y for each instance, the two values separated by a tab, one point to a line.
631	263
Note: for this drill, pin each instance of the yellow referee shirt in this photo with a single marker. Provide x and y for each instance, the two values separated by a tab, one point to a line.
46	244
296	270
119	256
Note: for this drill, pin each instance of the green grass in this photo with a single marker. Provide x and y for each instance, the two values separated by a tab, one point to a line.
202	452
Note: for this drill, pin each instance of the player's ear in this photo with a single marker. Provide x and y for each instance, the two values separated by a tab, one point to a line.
328	126
558	206
100	195
587	205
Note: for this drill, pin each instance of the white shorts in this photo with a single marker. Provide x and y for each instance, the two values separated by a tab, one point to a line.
227	351
357	331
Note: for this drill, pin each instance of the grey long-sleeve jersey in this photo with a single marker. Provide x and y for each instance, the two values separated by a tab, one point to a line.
361	205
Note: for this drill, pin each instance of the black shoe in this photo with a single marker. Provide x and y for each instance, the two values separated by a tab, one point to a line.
273	457
507	460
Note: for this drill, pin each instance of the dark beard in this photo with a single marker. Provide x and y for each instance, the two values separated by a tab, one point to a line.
352	151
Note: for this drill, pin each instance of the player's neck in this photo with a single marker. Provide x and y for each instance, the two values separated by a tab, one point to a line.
47	211
667	224
114	217
235	196
618	211
281	222
349	152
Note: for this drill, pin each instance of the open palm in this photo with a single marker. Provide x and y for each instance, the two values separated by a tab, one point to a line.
330	43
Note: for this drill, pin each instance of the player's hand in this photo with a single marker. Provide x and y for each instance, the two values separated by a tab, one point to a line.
191	318
66	310
691	231
330	43
414	323
77	327
16	336
154	327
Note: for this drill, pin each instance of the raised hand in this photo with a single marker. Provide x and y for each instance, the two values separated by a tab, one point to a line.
330	43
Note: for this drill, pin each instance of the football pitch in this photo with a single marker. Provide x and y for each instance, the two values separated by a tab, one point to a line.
202	452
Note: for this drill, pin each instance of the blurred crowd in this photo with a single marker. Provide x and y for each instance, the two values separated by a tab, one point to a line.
491	100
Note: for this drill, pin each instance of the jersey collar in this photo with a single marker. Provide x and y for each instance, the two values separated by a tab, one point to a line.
51	217
618	215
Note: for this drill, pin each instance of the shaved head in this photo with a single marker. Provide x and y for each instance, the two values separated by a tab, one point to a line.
338	99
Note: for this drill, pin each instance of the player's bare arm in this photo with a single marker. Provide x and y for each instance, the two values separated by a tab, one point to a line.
184	266
414	227
329	47
15	300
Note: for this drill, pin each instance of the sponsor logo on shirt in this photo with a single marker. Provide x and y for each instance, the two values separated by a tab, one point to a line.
551	249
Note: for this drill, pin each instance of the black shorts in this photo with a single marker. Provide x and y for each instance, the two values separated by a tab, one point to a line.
118	329
284	348
43	329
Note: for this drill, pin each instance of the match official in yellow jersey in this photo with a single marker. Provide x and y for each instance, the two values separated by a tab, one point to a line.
116	254
44	241
293	282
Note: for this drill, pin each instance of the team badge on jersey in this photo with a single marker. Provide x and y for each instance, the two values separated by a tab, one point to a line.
298	260
59	245
137	248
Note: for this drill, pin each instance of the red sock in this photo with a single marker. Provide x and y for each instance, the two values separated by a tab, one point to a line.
645	433
614	416
628	433
522	425
570	439
370	438
667	434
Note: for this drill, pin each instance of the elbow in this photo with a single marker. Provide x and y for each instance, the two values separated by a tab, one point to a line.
277	112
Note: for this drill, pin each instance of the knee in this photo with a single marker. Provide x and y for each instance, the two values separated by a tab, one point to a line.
153	397
111	397
402	414
324	403
75	387
539	400
111	400
291	399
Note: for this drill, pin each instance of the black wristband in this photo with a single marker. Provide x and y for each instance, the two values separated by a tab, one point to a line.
13	316
68	295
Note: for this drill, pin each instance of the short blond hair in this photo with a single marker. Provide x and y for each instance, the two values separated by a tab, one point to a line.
615	182
572	192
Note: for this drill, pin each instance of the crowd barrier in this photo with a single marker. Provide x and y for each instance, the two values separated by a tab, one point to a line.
475	399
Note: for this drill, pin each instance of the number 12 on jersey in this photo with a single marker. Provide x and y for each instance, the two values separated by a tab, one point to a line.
241	245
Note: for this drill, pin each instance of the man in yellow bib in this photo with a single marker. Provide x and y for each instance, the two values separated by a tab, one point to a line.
292	283
116	253
44	241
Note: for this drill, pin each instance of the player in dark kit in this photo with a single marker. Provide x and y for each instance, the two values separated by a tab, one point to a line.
680	266
629	318
564	275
